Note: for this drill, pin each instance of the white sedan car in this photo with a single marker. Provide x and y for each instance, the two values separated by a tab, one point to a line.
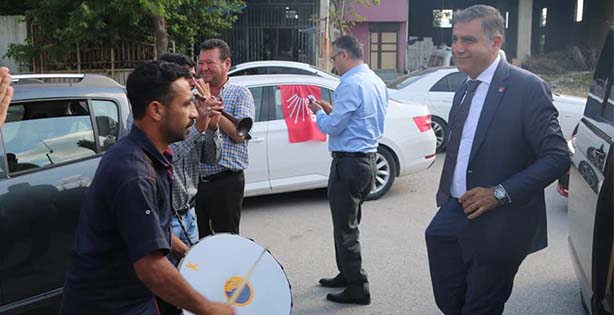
435	87
277	165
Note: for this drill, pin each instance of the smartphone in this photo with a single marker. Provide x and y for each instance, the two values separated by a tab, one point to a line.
311	98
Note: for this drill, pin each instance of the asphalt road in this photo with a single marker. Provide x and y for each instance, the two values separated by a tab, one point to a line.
297	228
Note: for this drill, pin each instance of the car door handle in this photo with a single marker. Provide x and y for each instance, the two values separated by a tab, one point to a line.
257	139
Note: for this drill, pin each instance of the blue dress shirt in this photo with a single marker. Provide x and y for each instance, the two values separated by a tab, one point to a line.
357	120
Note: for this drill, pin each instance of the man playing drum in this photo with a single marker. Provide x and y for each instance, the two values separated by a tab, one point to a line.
123	236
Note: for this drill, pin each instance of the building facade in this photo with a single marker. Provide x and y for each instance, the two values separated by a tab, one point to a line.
383	34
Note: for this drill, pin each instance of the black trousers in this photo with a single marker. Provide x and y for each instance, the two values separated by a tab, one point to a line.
466	280
350	181
218	204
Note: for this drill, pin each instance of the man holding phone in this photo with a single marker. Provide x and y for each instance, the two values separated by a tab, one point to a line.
354	127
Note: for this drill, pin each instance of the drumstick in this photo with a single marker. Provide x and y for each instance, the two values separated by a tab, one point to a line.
231	300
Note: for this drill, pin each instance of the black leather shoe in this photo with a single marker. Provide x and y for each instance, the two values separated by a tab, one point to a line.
335	282
351	295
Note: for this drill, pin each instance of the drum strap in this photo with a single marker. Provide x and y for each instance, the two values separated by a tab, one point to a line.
181	224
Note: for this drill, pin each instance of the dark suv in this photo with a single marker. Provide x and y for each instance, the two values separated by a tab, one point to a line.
57	128
590	199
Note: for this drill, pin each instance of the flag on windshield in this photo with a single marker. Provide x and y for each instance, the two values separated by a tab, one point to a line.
300	121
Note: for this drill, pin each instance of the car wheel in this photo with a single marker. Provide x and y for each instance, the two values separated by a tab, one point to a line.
439	129
386	171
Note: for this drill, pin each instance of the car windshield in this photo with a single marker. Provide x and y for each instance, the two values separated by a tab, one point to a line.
409	78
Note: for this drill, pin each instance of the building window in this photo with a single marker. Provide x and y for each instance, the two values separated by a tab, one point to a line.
579	11
443	18
543	18
383	50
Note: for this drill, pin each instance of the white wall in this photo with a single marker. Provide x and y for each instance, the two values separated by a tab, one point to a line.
12	31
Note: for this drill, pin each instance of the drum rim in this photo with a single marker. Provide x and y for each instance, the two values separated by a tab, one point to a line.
290	288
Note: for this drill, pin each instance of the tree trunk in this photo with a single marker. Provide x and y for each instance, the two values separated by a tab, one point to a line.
162	36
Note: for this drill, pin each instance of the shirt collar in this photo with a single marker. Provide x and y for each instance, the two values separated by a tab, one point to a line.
144	143
487	75
355	69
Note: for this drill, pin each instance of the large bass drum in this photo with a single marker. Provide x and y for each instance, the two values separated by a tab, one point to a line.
216	265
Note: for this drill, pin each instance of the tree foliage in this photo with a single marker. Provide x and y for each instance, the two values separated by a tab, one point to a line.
63	25
343	14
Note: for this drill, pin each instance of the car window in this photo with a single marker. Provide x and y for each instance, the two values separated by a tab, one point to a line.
107	122
279	114
257	94
45	133
449	83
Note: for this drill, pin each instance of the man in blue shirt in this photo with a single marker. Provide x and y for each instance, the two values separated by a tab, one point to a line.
123	236
354	126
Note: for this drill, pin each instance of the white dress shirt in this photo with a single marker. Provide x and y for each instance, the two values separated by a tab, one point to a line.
459	185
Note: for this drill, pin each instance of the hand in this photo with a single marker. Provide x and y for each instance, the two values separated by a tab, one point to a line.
203	88
314	106
6	93
325	106
216	308
477	201
209	113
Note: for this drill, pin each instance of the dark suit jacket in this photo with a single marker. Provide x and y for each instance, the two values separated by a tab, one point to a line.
519	144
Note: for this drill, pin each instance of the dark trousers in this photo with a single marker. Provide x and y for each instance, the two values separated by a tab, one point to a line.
218	204
466	279
350	181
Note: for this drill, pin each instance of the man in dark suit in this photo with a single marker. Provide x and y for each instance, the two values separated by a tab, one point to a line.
505	146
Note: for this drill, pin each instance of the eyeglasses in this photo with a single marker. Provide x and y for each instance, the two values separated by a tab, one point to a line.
336	54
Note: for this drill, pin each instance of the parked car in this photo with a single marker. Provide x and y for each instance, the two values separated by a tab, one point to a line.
590	200
279	67
276	165
51	144
435	87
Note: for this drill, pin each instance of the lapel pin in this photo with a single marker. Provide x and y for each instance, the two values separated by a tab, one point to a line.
501	89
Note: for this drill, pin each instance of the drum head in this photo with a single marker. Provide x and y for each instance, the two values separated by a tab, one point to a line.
217	264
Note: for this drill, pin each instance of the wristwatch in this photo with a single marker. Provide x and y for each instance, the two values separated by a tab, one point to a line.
500	194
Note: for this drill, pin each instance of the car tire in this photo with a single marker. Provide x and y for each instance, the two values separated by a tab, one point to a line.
439	129
386	171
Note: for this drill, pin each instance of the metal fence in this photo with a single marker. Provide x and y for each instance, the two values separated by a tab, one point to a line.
274	31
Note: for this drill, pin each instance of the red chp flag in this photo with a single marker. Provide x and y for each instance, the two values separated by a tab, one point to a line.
300	121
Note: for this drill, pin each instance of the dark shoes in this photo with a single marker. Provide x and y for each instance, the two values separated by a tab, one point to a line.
336	282
353	294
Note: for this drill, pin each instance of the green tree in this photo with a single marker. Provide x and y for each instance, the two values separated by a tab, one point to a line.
195	18
64	25
343	14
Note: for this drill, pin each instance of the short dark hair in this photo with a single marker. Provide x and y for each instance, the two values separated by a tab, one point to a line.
152	81
179	59
492	21
351	45
225	50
